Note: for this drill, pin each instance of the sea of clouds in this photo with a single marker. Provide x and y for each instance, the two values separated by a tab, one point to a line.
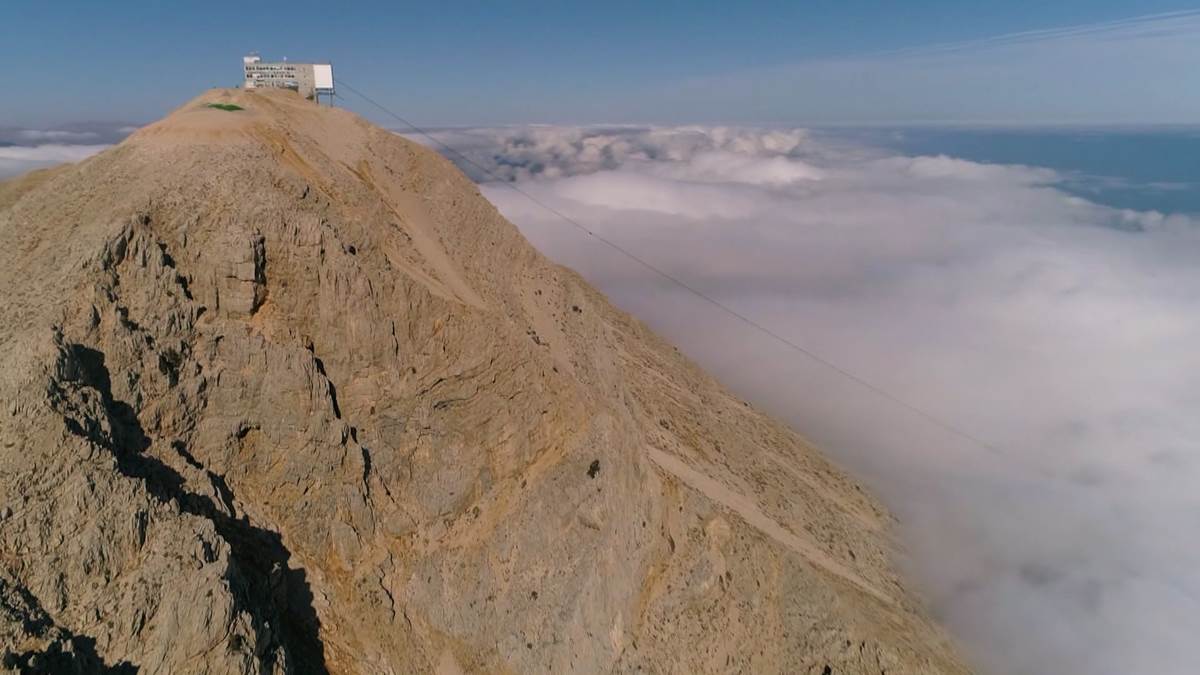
23	150
1061	333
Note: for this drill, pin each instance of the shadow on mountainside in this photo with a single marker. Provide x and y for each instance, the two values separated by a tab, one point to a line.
278	598
65	653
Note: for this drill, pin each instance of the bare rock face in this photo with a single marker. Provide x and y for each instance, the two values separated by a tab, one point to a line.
241	286
283	393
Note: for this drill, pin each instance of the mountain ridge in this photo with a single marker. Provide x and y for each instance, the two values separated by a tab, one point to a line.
284	393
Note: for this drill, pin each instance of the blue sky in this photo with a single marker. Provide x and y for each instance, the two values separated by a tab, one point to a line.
482	63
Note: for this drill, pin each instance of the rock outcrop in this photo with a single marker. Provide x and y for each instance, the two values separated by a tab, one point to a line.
283	393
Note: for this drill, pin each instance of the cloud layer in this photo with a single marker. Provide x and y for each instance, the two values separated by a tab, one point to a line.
1060	332
16	160
23	150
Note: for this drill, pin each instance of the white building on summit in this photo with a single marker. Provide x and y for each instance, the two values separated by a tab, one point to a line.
312	80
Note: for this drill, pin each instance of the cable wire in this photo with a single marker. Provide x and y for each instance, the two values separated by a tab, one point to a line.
866	384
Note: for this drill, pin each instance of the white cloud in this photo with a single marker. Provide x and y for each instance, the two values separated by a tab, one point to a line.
1060	331
23	150
15	160
55	135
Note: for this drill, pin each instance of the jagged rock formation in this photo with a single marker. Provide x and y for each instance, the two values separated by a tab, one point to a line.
283	393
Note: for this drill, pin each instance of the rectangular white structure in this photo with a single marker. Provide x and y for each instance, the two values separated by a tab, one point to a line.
322	76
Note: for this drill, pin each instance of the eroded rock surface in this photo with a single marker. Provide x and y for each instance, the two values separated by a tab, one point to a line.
283	393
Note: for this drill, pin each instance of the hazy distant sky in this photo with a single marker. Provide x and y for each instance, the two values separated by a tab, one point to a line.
746	62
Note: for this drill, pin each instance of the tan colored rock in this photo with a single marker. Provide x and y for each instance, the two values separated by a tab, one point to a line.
283	393
241	285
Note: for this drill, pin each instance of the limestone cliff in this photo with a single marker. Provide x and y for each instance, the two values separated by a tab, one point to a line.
283	393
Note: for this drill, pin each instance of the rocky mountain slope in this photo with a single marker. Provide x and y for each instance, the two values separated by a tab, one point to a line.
283	393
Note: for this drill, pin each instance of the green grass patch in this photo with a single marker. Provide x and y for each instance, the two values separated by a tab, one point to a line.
228	107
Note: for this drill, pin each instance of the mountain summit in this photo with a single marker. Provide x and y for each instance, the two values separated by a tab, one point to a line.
283	393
